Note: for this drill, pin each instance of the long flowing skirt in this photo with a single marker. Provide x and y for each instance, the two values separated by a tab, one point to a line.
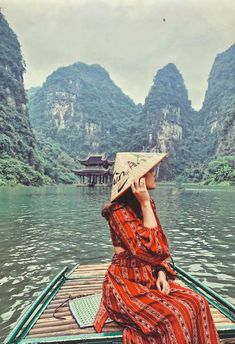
148	316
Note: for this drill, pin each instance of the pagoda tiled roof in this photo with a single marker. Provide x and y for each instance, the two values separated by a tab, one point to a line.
96	160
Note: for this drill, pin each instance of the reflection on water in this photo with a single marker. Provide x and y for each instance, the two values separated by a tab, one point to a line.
44	229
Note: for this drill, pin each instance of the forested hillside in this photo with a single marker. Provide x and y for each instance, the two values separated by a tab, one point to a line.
168	115
23	159
214	134
217	116
79	110
19	161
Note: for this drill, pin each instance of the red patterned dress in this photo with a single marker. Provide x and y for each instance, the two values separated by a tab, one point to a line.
130	296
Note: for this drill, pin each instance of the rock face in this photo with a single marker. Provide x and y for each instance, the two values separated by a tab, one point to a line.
79	110
23	160
167	110
217	116
220	93
167	115
80	107
16	136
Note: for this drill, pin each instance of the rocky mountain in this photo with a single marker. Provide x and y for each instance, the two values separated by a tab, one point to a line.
19	160
212	145
167	110
202	143
217	116
23	159
81	108
220	94
168	115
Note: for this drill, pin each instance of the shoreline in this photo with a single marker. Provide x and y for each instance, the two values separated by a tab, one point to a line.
161	183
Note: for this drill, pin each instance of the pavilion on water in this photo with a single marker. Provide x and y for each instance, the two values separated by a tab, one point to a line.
97	170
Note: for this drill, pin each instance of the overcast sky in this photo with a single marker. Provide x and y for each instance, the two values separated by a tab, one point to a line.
131	39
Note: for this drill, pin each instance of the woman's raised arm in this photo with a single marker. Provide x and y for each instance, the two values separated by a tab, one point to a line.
141	241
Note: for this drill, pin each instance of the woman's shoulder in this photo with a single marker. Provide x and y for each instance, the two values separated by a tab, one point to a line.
117	208
110	207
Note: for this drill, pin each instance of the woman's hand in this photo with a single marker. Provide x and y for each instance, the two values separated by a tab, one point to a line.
162	284
140	191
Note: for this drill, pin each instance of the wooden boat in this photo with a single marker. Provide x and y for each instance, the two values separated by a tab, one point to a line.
38	325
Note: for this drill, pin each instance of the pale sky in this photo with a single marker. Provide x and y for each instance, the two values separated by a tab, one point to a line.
129	38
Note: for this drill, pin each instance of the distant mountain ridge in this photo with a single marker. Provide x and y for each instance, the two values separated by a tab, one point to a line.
80	107
217	115
220	93
168	115
79	110
19	161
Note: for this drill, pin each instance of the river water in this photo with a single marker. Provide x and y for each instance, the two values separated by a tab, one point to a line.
44	229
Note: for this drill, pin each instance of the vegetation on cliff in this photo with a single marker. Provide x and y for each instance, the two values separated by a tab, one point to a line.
168	115
19	160
220	170
23	159
79	110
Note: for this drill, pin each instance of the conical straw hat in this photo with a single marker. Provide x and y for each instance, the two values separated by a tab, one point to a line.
132	165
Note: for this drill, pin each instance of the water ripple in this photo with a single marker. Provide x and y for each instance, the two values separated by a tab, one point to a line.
44	229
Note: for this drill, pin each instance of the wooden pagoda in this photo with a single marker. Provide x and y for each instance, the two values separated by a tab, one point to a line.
97	170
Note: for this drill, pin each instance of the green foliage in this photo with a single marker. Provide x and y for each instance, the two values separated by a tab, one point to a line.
20	162
11	66
80	108
219	170
105	120
13	171
56	164
221	87
168	88
2	182
16	137
226	134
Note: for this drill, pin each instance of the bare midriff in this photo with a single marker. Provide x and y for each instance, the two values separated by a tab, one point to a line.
118	249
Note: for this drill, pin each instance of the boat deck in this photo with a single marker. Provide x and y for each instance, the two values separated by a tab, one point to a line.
85	280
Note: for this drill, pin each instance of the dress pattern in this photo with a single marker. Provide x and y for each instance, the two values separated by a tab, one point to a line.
130	296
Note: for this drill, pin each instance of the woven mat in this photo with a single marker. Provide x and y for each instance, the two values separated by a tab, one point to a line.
84	309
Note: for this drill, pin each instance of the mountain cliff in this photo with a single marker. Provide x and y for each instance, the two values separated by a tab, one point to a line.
167	113
19	161
217	116
23	159
201	144
81	108
215	123
220	93
167	110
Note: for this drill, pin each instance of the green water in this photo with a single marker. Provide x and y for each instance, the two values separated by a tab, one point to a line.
44	229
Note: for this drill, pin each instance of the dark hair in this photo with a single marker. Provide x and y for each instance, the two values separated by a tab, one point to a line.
126	199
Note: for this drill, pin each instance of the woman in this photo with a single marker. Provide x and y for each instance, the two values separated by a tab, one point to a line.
139	291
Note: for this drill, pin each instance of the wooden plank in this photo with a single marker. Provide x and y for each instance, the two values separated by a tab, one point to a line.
48	325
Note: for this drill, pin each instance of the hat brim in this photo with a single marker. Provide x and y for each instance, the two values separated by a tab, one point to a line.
127	183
